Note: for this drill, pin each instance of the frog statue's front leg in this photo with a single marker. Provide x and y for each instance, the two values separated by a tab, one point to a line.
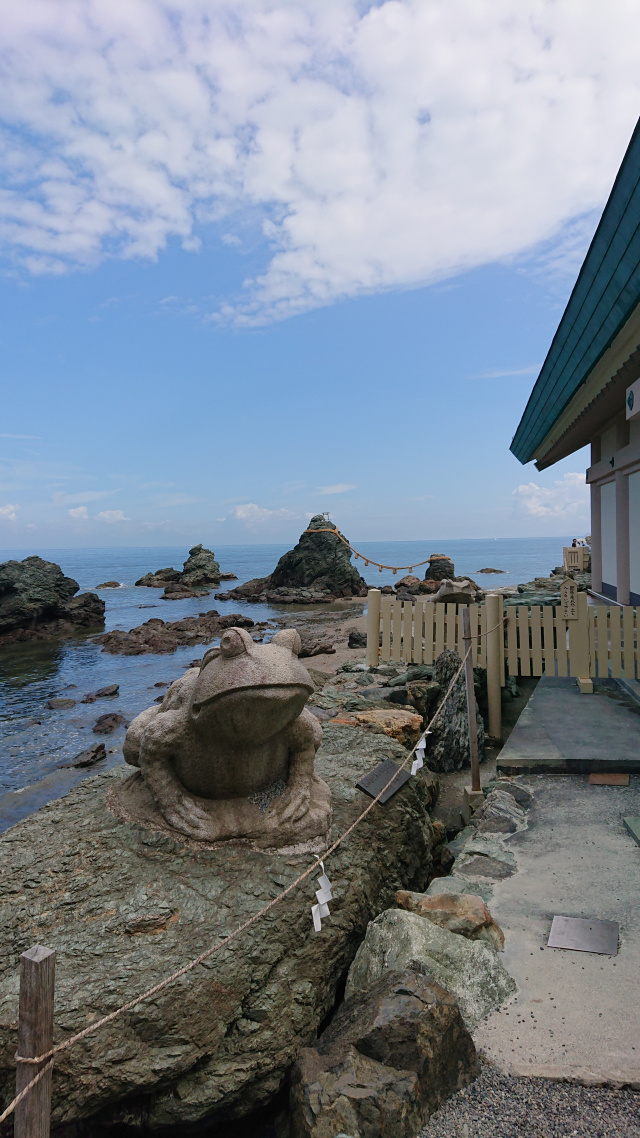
201	818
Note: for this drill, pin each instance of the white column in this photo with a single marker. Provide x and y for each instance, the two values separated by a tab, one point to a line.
596	539
622	538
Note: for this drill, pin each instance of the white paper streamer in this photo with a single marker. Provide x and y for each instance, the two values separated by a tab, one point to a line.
323	895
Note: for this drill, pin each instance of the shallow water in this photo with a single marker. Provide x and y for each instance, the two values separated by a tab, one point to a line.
38	742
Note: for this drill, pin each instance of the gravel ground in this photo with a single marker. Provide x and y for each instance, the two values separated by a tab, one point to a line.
497	1106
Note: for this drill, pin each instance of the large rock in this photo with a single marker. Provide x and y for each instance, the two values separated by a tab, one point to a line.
36	597
199	571
125	906
388	1059
200	568
471	971
462	913
319	561
448	745
440	568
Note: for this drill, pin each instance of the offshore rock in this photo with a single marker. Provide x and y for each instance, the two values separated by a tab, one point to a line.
471	971
448	745
199	571
125	906
388	1059
440	568
37	600
319	561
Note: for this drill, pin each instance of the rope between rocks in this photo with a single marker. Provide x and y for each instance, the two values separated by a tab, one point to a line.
49	1056
367	560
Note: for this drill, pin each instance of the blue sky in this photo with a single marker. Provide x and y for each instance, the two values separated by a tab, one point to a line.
241	285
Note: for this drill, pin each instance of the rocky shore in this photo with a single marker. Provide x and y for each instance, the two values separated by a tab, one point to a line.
37	602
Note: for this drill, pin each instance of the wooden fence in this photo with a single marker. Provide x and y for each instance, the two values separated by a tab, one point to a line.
532	640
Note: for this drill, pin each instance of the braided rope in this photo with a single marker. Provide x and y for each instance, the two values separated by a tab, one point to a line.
48	1056
367	560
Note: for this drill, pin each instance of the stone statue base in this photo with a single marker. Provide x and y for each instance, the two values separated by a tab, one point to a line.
132	801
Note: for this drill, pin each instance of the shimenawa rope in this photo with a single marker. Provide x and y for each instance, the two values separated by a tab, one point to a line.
367	560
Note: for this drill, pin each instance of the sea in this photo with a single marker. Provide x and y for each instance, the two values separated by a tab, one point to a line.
37	745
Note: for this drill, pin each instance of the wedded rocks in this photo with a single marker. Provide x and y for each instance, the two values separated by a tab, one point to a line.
462	913
440	568
37	600
320	561
471	971
125	906
388	1059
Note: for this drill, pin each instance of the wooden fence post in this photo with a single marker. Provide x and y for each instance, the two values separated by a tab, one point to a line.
495	662
476	789
35	1036
373	628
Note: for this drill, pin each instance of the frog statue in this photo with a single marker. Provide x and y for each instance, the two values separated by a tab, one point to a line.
230	751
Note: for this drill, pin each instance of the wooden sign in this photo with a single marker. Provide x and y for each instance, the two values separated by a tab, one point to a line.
373	782
569	600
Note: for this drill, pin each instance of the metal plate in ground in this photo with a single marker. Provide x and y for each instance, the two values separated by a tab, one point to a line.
373	782
584	935
608	778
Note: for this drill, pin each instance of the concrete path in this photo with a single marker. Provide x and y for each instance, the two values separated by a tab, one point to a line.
562	731
577	1014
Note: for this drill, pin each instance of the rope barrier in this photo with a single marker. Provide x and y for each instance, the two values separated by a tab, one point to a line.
368	560
49	1056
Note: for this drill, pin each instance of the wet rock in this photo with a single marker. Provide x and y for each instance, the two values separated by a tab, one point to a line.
178	591
462	913
440	568
154	636
408	584
220	1042
448	745
89	757
159	579
198	572
490	570
60	703
38	601
109	585
388	1059
107	724
101	693
471	971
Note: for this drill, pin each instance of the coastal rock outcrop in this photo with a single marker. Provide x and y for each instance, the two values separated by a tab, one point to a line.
157	636
38	601
219	1042
317	570
448	744
388	1059
200	571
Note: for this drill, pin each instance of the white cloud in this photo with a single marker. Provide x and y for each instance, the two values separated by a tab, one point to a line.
373	144
566	498
59	498
252	514
79	513
499	373
8	512
5	435
338	488
111	517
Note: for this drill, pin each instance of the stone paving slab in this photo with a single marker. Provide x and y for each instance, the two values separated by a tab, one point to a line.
561	731
576	1013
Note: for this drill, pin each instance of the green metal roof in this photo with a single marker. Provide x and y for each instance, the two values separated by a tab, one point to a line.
604	296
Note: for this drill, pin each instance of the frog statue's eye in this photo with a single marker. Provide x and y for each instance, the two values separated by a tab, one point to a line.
232	643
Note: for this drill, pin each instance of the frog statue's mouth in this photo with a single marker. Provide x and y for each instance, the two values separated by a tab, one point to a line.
249	714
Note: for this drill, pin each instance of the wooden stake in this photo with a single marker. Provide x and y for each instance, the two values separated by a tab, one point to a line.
35	1036
471	701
